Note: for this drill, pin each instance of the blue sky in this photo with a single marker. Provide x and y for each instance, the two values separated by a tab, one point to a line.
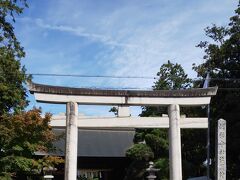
113	37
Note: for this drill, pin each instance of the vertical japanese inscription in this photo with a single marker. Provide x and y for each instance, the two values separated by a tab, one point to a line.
221	150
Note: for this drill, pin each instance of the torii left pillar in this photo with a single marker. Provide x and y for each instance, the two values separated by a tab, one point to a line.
175	142
71	141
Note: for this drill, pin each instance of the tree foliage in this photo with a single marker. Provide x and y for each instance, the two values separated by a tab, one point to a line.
8	40
21	135
222	61
12	75
171	76
140	152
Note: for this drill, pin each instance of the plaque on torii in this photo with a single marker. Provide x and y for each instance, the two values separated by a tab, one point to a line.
123	99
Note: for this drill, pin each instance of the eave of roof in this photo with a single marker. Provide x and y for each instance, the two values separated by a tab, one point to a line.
48	89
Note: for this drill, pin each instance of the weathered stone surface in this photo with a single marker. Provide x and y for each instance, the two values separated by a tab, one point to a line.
221	150
71	141
175	154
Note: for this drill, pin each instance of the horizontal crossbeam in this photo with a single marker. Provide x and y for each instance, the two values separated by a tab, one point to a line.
130	122
115	100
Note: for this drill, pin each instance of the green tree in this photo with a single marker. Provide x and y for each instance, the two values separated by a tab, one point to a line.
222	61
171	76
21	133
12	75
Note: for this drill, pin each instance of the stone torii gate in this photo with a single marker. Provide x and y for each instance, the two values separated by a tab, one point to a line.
123	99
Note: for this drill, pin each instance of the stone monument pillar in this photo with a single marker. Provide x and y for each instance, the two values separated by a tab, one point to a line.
221	150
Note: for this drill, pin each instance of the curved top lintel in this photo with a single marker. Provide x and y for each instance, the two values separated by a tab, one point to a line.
59	90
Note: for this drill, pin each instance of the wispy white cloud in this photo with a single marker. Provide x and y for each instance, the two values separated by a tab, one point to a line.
80	31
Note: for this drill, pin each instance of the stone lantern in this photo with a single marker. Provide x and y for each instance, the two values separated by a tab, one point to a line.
48	173
152	171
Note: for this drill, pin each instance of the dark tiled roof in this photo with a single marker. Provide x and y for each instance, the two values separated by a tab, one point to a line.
200	92
98	143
